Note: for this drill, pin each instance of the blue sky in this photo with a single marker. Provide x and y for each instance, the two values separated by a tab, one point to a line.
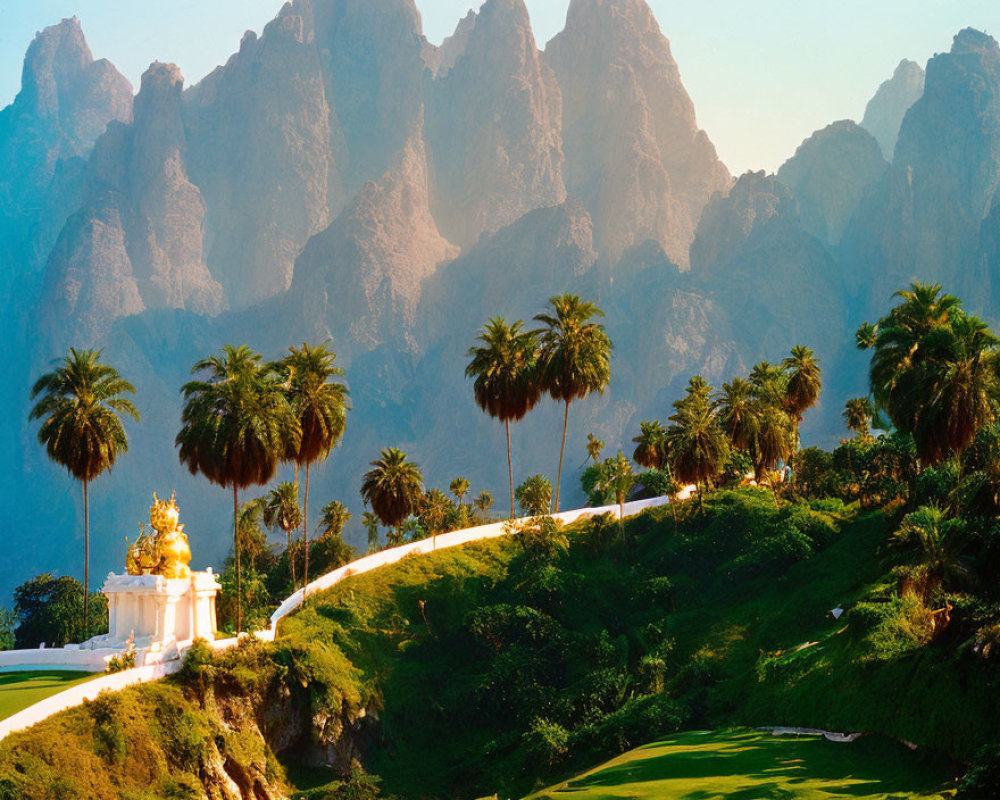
763	74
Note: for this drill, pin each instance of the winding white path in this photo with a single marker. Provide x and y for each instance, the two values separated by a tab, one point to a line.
89	690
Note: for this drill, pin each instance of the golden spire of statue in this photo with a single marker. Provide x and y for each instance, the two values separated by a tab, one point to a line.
165	551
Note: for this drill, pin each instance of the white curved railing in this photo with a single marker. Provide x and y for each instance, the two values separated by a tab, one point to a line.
132	677
444	540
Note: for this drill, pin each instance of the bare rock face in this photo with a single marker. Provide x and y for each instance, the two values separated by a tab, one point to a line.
829	175
777	283
360	280
633	149
89	280
373	55
885	111
264	150
924	221
514	270
141	223
492	127
66	101
453	46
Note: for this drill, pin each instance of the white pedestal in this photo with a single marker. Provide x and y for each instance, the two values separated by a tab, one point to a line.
160	614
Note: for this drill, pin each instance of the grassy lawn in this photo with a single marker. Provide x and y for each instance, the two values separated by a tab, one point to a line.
18	690
752	766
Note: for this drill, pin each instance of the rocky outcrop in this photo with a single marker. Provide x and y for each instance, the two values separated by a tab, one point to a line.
492	128
885	111
512	272
453	46
280	184
924	221
778	284
829	174
373	64
634	152
137	241
89	280
360	280
66	101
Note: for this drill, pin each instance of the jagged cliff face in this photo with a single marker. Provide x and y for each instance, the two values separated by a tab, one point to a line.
140	228
66	101
493	127
634	152
360	280
829	175
885	111
778	282
924	221
267	196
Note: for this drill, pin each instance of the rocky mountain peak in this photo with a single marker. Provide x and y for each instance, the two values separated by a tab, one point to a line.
493	126
634	152
453	46
885	111
829	174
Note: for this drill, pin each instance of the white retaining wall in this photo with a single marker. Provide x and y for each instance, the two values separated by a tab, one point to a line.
143	674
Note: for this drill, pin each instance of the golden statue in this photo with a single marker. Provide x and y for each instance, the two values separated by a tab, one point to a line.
165	551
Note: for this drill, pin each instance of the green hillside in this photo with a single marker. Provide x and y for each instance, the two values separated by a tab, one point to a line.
507	666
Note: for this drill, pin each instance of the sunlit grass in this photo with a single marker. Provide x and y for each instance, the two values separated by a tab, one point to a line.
18	690
753	766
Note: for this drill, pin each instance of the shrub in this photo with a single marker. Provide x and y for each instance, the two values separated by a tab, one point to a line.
894	628
545	744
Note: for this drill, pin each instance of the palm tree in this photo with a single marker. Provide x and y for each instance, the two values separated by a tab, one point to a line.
773	428
651	445
594	447
956	388
281	510
330	550
483	501
80	403
939	544
333	518
696	443
934	371
858	413
393	488
459	487
235	427
503	369
738	414
370	522
618	479
574	357
535	495
803	387
321	405
435	510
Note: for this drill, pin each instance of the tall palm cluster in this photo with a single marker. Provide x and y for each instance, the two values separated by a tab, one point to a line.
933	371
568	358
757	416
243	417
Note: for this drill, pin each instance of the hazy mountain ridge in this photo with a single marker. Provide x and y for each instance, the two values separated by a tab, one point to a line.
342	178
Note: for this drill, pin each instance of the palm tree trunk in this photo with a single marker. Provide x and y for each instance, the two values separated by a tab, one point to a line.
510	470
236	549
305	538
562	451
86	561
291	559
